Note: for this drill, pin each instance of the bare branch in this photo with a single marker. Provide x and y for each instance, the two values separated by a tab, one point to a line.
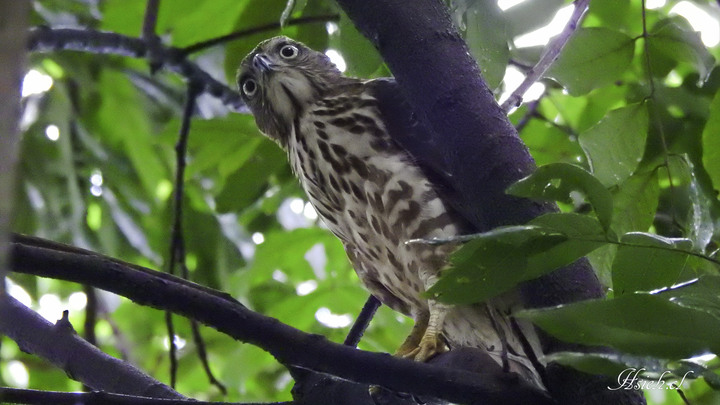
69	352
362	321
150	19
201	46
98	42
288	345
152	40
550	54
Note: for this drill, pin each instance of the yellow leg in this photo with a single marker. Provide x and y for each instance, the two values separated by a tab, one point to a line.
425	339
412	342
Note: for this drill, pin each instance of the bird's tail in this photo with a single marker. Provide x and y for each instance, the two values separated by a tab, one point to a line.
512	343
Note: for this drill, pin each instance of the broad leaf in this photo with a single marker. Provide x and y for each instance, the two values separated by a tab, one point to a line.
594	57
610	364
486	35
702	294
360	55
675	40
494	262
711	143
557	181
615	146
641	324
635	203
583	234
646	262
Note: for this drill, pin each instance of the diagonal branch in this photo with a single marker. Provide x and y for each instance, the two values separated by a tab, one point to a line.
550	54
65	349
98	42
288	345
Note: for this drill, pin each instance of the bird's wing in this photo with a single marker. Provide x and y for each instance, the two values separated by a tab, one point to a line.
419	140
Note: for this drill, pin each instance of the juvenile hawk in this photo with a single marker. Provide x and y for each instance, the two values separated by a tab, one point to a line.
341	137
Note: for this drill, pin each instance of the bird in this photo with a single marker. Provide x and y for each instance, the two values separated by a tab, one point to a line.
349	142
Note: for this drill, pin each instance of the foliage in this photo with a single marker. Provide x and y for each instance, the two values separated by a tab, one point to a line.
628	128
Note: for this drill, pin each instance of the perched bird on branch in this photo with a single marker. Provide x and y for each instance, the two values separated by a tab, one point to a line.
347	142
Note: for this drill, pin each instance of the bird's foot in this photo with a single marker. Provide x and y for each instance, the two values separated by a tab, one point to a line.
430	345
425	340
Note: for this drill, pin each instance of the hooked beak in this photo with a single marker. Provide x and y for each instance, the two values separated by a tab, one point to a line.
262	63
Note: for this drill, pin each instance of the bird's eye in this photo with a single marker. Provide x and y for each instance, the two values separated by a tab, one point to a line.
289	51
249	87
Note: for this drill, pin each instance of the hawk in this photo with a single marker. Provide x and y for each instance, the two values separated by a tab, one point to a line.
345	140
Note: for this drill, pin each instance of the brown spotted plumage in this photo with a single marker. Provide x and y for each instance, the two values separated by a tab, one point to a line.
374	196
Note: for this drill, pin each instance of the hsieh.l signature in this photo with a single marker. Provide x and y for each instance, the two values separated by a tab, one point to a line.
629	379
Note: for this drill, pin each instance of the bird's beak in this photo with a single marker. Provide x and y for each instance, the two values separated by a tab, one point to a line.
262	63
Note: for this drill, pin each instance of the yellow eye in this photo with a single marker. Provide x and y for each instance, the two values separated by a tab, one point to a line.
249	87
289	51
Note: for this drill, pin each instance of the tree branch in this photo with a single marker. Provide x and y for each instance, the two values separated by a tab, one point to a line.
362	321
86	40
201	46
288	345
23	396
79	359
550	54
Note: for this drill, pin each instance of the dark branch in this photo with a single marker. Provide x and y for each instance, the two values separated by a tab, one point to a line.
86	40
288	345
532	108
69	352
23	396
362	321
150	20
152	40
201	46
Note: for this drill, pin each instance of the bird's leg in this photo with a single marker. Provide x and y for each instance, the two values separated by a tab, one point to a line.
431	341
425	339
412	342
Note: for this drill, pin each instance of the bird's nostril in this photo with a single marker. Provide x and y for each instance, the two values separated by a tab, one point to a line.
261	62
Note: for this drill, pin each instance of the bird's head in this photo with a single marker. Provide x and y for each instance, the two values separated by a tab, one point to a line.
279	79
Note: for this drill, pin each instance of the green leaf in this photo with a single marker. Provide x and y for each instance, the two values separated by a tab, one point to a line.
615	145
480	269
247	184
675	39
121	101
594	57
610	364
646	262
477	275
701	222
583	235
360	55
635	202
531	14
711	143
294	245
702	294
642	324
558	180
486	35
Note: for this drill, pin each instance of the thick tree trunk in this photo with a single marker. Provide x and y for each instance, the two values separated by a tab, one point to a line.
479	149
